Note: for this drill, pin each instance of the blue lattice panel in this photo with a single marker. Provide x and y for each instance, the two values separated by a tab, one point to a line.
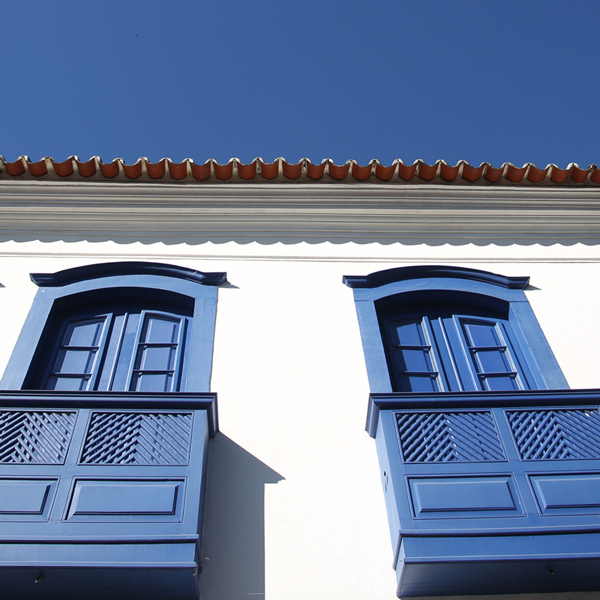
35	437
448	437
138	439
556	434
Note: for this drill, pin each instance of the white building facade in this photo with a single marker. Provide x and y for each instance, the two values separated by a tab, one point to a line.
294	501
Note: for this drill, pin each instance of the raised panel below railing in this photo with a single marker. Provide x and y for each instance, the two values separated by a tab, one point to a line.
491	493
101	496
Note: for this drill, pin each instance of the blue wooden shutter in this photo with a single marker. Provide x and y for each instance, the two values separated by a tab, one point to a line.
437	347
125	349
78	355
492	360
156	365
412	358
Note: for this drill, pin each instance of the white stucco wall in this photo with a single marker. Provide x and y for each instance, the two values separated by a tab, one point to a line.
295	507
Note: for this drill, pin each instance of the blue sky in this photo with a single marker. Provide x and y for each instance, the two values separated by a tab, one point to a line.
479	80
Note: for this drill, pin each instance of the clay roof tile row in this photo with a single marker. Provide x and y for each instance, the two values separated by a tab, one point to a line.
280	170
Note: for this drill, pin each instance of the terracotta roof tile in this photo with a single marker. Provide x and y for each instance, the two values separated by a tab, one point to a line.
156	170
386	173
493	175
201	172
361	173
448	173
280	170
472	174
290	171
339	172
268	170
315	171
111	170
37	169
536	175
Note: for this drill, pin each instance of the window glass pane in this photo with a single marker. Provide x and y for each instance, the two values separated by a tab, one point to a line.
161	330
76	355
411	357
157	358
493	361
411	333
421	384
156	351
482	334
152	382
500	384
85	333
74	361
67	384
416	360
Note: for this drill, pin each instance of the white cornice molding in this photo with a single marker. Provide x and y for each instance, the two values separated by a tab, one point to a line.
292	212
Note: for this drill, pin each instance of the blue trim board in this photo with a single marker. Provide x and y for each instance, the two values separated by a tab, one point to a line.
96	271
380	278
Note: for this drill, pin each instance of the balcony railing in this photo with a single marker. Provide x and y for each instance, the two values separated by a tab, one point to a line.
101	495
491	493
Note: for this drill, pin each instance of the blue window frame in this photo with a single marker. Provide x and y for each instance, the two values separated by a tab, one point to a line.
445	347
454	356
126	349
451	329
118	327
106	425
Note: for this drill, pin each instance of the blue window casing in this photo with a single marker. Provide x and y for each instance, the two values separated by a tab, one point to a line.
377	294
102	475
194	294
490	486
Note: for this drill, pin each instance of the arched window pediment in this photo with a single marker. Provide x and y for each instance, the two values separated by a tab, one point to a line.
379	278
97	271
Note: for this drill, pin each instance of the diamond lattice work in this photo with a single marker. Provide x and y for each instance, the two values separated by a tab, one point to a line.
556	434
448	437
138	439
35	437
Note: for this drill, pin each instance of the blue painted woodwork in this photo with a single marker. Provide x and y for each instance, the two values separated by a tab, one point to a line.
101	495
380	278
434	347
88	272
491	492
102	474
489	488
520	343
114	346
167	289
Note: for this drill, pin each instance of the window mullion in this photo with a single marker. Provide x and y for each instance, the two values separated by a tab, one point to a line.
100	353
451	362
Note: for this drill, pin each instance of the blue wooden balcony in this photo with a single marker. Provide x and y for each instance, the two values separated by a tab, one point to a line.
101	495
491	493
